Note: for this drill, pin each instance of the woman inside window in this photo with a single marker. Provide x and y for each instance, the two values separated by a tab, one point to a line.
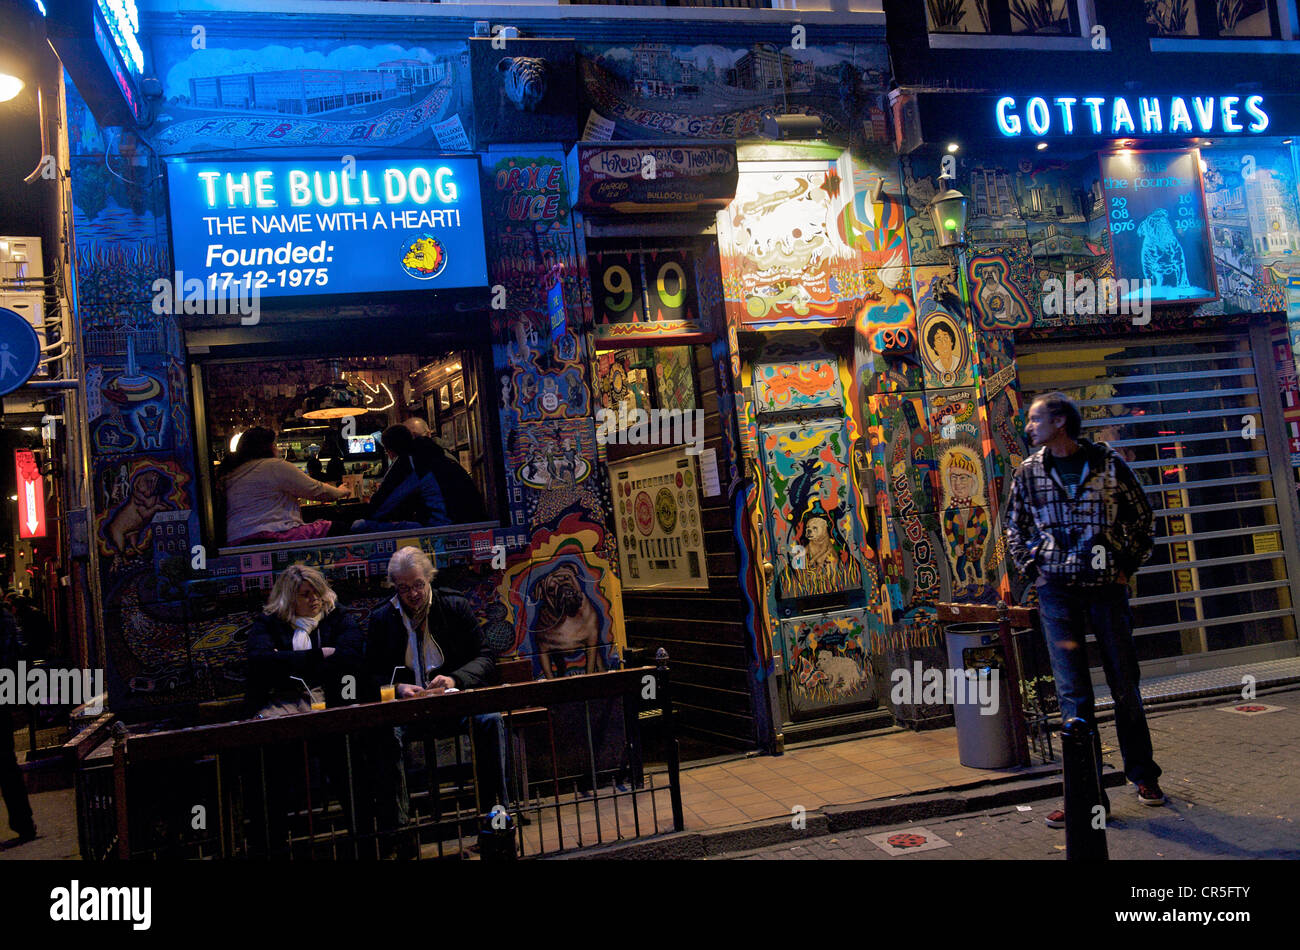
262	492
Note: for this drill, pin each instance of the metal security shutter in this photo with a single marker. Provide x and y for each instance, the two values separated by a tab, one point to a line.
1189	414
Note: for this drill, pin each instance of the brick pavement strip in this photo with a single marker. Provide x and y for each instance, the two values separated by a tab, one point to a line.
1233	783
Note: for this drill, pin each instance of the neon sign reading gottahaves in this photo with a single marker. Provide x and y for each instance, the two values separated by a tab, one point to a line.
123	22
1148	115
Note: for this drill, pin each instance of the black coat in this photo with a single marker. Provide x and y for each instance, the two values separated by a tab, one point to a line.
467	658
272	660
459	493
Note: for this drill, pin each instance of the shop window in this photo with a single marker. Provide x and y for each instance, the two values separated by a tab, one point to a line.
345	451
453	407
660	377
1214	19
1004	17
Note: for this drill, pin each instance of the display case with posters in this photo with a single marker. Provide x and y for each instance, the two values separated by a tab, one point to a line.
658	520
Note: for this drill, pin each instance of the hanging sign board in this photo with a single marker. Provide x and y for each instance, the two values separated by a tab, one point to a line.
100	45
659	521
652	176
31	495
328	226
1159	233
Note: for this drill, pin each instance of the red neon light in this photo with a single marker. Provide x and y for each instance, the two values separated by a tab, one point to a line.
31	496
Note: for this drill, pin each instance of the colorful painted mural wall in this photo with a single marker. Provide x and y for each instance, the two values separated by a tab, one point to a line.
1035	218
175	621
814	255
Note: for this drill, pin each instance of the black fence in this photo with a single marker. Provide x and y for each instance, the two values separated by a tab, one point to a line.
342	783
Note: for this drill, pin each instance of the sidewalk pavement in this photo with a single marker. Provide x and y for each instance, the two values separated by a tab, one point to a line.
878	766
1242	770
1232	781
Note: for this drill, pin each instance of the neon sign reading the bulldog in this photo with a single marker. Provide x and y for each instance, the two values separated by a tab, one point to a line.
1099	115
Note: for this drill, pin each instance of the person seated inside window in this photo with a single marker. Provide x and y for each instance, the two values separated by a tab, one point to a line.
459	493
409	496
262	492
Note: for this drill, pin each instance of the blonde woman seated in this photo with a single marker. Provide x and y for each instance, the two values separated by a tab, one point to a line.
302	632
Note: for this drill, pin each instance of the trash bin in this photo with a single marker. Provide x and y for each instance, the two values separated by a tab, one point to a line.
980	698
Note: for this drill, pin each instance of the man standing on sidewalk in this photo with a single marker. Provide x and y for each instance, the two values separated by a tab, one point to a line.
1079	526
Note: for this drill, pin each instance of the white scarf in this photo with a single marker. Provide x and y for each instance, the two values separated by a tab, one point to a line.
422	651
302	630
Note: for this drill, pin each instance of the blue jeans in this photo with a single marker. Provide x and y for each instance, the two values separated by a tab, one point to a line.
1070	613
489	734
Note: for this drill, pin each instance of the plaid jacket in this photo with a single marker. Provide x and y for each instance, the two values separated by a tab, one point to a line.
1088	540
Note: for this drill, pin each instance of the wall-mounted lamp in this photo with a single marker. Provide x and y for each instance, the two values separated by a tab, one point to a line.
948	213
791	126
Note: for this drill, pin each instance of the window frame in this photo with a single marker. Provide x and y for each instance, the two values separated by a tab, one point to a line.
1082	12
1282	22
206	487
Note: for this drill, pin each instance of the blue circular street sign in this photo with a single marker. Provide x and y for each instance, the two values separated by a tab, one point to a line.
20	351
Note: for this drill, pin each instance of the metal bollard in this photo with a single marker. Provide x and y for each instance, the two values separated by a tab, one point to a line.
496	836
1084	841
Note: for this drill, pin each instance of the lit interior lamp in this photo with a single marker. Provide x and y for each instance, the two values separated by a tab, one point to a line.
333	401
948	212
10	86
234	440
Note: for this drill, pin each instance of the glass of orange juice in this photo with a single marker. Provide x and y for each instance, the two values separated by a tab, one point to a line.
317	704
387	693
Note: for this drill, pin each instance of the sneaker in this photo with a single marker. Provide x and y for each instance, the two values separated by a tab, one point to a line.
1149	793
1056	819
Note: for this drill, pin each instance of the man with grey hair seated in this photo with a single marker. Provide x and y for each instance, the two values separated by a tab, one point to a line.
426	640
461	496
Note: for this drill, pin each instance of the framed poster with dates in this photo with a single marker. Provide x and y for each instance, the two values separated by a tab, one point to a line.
1159	232
659	521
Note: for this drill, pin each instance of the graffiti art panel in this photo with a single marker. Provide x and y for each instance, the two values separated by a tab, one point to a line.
955	429
1001	281
827	665
656	90
564	604
918	576
784	257
905	455
968	544
1251	200
945	349
550	471
804	384
811	504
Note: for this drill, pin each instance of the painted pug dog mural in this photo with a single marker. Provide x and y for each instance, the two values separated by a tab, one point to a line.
565	620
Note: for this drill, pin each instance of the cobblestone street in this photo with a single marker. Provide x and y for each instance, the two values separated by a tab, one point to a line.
1232	782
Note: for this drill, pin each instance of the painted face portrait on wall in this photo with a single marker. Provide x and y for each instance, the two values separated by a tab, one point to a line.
941	341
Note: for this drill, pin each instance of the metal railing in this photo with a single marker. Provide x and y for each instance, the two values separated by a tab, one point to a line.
308	786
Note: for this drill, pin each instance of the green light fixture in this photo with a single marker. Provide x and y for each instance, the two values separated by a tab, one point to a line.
948	213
